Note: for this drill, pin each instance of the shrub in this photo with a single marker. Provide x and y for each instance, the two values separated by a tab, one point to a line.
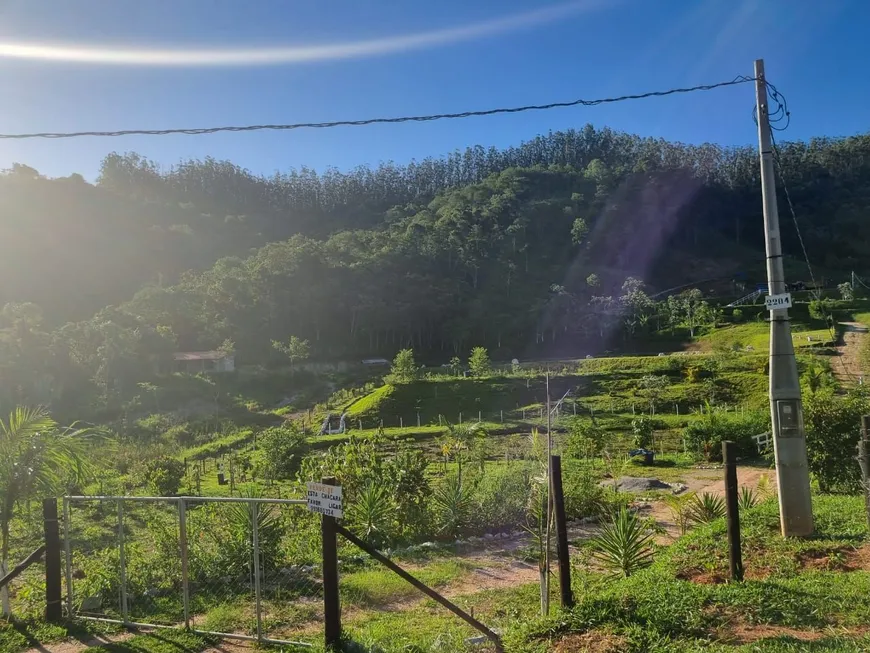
479	362
643	429
280	451
373	512
404	369
500	497
704	436
163	475
585	439
356	464
180	434
584	497
833	427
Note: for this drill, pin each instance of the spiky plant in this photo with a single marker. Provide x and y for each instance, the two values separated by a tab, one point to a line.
747	499
372	512
705	508
625	545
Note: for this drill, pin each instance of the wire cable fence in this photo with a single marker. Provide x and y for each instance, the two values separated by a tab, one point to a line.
231	566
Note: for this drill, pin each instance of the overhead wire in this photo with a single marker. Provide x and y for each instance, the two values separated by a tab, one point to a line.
784	115
197	131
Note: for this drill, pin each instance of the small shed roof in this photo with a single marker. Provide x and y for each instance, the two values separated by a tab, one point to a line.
200	355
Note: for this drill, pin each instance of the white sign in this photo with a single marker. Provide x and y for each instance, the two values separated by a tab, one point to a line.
325	499
773	302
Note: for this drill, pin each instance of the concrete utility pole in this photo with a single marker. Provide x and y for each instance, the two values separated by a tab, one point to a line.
789	441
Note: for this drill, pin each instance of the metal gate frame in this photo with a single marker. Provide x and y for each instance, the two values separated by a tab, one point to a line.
181	503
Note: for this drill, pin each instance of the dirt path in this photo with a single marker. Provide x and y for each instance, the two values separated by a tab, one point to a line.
74	646
701	482
847	364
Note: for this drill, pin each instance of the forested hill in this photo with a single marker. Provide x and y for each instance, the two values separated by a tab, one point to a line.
514	249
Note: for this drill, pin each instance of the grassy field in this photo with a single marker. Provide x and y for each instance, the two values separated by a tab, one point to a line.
800	595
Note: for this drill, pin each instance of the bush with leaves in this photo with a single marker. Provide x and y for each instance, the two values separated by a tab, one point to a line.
585	439
404	368
479	363
221	538
584	496
643	429
280	450
704	436
833	427
358	464
625	544
163	475
500	496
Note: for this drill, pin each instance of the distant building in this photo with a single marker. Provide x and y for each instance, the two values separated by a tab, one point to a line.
375	361
194	362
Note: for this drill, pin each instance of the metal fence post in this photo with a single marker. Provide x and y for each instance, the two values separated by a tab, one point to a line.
53	592
67	550
255	536
122	561
185	577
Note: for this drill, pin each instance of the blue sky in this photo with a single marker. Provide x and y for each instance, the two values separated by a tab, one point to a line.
505	53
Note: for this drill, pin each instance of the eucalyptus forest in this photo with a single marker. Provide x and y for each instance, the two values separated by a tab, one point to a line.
530	251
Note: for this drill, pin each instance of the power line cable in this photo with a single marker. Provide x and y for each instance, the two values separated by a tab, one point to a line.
740	79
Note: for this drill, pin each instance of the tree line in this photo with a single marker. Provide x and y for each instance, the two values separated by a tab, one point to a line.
548	247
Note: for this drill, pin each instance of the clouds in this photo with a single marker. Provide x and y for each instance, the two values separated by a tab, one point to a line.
90	54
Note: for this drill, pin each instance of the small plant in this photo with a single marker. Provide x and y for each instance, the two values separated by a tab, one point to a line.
764	488
624	545
452	502
679	506
372	512
643	429
705	508
747	499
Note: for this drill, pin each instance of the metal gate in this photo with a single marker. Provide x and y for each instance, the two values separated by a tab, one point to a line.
228	566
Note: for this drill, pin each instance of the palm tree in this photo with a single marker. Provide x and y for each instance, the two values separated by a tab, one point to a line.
37	459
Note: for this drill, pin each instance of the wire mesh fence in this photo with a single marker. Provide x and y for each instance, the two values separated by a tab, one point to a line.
241	567
24	596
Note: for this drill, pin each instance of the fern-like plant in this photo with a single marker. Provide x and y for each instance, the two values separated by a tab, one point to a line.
625	545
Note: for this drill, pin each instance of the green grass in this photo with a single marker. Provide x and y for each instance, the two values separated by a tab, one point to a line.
369	405
668	608
757	336
218	446
380	587
18	635
163	641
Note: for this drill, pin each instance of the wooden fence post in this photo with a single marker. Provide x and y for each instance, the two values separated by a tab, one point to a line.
331	603
561	532
864	462
729	457
51	530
